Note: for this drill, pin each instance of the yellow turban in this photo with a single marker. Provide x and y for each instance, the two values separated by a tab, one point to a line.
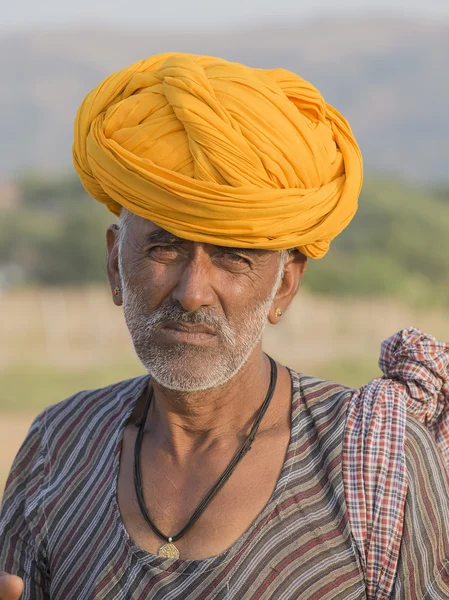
220	153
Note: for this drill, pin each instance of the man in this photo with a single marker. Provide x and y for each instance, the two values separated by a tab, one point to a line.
226	180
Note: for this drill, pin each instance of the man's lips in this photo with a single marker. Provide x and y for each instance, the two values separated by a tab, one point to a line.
189	327
189	332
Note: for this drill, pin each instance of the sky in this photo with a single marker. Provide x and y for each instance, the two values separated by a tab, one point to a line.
20	14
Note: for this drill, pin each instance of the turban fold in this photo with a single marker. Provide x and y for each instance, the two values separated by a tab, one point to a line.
220	153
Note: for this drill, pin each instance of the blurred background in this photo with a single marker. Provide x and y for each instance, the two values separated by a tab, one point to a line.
384	65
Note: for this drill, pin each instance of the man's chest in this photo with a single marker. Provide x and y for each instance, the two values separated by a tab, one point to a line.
172	495
298	544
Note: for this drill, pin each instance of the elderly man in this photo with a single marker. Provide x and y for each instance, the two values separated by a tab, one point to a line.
226	180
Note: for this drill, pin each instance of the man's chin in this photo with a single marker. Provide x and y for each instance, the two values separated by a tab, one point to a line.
189	371
188	387
183	381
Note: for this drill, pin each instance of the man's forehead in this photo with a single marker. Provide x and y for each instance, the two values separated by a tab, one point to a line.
161	235
151	233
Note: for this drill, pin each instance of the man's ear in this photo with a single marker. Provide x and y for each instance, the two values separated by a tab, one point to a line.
294	270
113	264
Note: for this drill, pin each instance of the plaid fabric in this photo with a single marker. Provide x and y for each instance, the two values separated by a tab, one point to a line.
415	383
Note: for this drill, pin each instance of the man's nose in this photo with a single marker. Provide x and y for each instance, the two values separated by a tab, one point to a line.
194	289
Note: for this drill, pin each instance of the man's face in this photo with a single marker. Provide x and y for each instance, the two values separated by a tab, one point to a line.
195	311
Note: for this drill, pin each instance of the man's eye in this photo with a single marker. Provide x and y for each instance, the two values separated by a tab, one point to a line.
163	250
235	258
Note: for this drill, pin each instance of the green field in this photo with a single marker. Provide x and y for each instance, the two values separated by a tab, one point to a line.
32	389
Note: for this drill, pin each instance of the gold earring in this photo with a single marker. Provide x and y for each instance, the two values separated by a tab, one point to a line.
116	291
278	312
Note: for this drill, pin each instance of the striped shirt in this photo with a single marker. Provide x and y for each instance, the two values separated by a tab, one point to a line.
359	511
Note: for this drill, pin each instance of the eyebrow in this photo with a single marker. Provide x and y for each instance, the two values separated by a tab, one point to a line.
160	235
165	237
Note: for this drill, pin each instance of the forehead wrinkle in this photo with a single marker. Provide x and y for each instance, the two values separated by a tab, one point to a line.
250	252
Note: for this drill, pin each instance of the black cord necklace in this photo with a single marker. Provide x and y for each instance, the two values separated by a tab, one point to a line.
169	550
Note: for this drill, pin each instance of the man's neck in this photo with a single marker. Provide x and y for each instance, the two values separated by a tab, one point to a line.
184	423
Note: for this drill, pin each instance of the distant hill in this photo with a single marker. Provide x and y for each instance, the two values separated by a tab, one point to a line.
389	77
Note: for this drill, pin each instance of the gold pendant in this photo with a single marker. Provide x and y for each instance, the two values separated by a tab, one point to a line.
168	550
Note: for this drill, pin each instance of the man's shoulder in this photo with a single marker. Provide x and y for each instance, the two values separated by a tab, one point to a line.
83	408
76	430
317	393
421	447
320	405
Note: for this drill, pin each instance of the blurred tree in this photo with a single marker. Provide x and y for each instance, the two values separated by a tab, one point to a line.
397	245
57	235
76	253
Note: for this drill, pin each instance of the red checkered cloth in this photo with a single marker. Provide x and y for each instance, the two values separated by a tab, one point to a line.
415	382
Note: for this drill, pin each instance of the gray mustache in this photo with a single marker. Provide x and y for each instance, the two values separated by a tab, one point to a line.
202	316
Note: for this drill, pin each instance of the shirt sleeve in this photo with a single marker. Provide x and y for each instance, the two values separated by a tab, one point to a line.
375	471
22	517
